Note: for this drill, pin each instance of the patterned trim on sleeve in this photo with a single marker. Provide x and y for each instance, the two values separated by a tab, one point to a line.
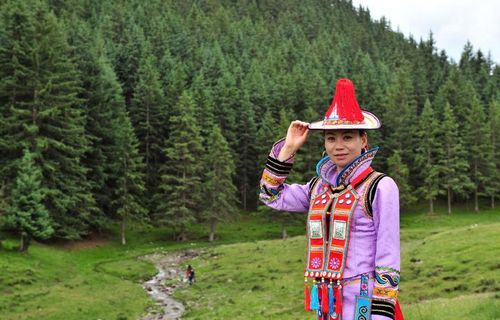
269	194
271	179
382	308
275	173
270	185
386	285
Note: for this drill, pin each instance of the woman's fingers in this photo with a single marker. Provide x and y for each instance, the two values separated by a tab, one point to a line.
299	123
300	126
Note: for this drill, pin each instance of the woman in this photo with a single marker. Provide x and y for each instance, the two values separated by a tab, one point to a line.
353	214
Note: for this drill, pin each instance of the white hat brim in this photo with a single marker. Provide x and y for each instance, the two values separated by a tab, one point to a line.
370	122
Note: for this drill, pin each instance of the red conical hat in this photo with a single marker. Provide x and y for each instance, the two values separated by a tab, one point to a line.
344	112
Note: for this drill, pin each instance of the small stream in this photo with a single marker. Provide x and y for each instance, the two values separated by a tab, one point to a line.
162	285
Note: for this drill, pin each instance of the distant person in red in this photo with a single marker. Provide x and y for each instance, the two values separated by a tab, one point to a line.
190	274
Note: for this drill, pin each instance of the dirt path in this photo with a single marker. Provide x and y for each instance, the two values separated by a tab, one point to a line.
162	286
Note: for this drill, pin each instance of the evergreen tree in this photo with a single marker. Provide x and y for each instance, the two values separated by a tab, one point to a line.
455	92
465	63
129	185
217	182
246	166
148	117
257	88
115	167
179	193
86	53
226	95
494	83
126	56
269	56
41	110
104	101
477	139
454	159
369	88
203	97
399	115
27	214
266	135
493	180
174	81
400	173
428	153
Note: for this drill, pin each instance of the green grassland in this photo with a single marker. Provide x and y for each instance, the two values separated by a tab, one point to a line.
101	281
450	270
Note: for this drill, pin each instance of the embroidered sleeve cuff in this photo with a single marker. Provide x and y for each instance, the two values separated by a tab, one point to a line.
271	185
386	285
382	308
275	173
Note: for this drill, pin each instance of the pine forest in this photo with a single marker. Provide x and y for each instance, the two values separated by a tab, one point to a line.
163	111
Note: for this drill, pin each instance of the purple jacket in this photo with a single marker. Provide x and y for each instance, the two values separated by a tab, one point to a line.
374	236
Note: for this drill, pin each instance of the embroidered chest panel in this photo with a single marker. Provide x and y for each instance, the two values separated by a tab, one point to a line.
328	225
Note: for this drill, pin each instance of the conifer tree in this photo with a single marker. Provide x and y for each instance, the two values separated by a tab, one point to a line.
477	139
41	110
368	80
103	98
148	110
115	167
399	115
465	63
454	159
218	181
455	92
266	135
246	166
226	95
493	181
401	174
173	76
129	185
126	56
204	101
428	153
257	88
27	214
179	192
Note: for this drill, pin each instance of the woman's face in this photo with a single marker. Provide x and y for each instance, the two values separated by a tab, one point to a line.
342	146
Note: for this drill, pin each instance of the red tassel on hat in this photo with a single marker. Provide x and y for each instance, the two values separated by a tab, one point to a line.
307	296
398	312
345	102
324	298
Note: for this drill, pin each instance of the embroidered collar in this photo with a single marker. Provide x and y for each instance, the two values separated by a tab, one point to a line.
327	170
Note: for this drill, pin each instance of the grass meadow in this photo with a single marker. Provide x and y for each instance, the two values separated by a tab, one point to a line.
450	270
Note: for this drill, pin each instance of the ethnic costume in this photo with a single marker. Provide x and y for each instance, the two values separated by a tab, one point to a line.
352	226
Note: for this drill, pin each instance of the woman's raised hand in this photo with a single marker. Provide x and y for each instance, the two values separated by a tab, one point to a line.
296	136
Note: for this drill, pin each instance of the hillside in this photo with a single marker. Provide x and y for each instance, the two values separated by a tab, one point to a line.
449	270
87	84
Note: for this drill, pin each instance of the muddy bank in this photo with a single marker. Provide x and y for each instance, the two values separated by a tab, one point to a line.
161	287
